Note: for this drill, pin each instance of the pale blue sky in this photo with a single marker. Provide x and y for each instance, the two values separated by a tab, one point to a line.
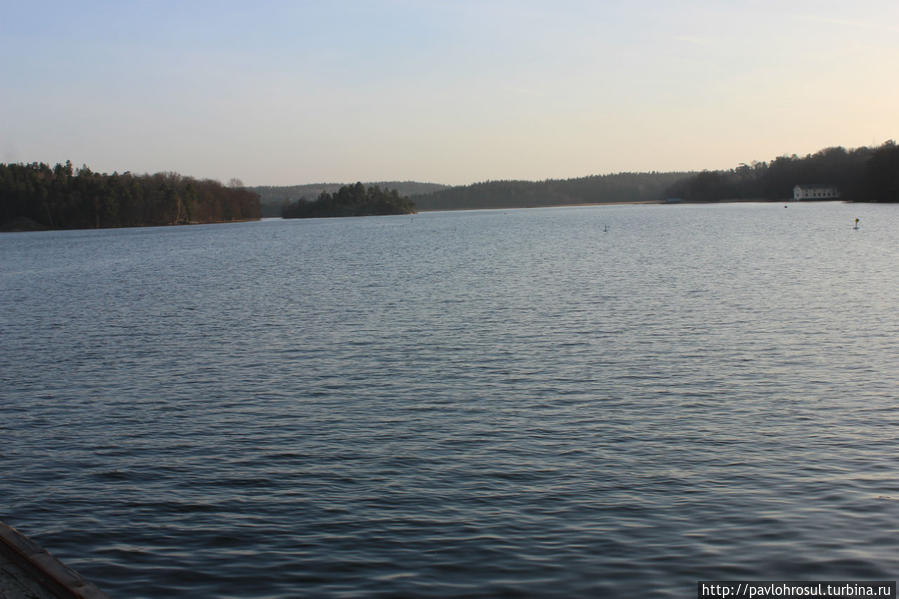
279	92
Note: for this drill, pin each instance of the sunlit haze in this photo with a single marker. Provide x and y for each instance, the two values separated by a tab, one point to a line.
283	92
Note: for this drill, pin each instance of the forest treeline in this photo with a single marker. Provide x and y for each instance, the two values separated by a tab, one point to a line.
351	200
861	175
619	187
64	198
60	197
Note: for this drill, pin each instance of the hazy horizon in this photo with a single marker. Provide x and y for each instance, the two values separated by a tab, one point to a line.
293	93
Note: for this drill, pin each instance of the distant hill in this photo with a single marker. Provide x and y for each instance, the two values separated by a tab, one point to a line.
619	187
273	198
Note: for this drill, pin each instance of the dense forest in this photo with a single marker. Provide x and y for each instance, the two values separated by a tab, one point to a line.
351	200
275	198
38	196
860	175
620	187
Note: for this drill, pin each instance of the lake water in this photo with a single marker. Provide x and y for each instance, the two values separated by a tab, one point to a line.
493	403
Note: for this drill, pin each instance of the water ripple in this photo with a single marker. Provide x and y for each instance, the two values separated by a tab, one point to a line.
463	405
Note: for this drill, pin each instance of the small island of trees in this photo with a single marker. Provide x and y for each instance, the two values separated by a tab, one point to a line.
351	200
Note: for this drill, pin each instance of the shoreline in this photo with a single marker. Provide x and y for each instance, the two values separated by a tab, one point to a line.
655	203
31	226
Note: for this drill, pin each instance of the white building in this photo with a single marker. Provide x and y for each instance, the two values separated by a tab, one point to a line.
815	192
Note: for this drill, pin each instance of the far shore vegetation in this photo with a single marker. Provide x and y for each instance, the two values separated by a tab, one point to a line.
860	175
350	200
36	196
